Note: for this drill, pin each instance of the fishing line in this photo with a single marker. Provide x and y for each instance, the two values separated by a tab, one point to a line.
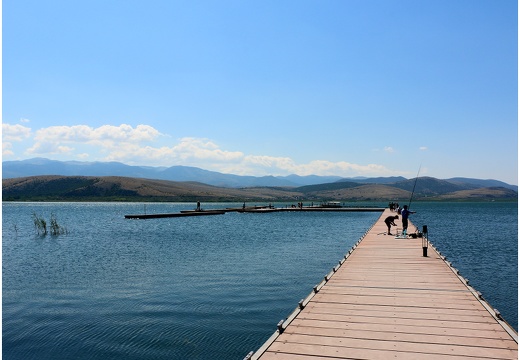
415	183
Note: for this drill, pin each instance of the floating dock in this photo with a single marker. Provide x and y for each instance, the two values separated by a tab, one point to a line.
392	298
172	215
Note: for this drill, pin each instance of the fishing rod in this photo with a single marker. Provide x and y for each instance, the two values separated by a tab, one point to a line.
415	183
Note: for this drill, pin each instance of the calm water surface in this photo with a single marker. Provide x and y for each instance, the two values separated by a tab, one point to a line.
481	241
204	287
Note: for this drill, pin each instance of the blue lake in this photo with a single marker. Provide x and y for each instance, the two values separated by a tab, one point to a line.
209	287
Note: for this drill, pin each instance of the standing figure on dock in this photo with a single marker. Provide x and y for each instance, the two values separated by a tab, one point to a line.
405	213
198	206
389	221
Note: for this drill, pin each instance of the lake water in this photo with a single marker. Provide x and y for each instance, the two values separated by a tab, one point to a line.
209	287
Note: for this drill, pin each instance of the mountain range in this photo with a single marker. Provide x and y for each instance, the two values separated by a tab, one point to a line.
46	180
42	166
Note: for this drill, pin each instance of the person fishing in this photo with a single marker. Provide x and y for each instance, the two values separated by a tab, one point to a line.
404	214
389	221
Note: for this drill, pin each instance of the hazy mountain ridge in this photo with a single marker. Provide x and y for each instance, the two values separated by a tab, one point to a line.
42	166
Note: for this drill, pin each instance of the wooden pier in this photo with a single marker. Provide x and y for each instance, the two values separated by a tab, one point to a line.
386	300
264	210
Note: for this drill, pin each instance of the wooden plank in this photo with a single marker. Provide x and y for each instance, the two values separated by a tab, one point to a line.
474	315
389	301
401	346
406	329
394	301
389	336
340	352
400	320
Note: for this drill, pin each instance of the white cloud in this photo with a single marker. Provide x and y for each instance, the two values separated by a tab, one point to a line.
341	168
51	139
423	148
15	132
204	149
189	151
262	165
124	133
144	145
49	148
104	135
6	149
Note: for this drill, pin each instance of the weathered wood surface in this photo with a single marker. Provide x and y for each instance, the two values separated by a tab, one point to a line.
388	301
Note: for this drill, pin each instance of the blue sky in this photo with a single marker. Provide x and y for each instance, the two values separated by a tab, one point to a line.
346	87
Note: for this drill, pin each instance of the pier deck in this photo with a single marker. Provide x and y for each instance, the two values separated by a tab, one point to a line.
385	300
310	208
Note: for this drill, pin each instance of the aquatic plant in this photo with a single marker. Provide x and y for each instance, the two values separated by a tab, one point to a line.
40	224
56	229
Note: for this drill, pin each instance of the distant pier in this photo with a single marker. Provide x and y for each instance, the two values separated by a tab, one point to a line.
392	298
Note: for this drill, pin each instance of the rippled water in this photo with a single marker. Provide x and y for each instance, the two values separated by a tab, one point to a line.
204	287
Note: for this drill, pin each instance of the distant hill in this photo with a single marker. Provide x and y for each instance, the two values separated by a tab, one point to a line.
298	180
376	180
428	186
356	192
452	184
117	188
488	193
482	183
309	189
425	188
